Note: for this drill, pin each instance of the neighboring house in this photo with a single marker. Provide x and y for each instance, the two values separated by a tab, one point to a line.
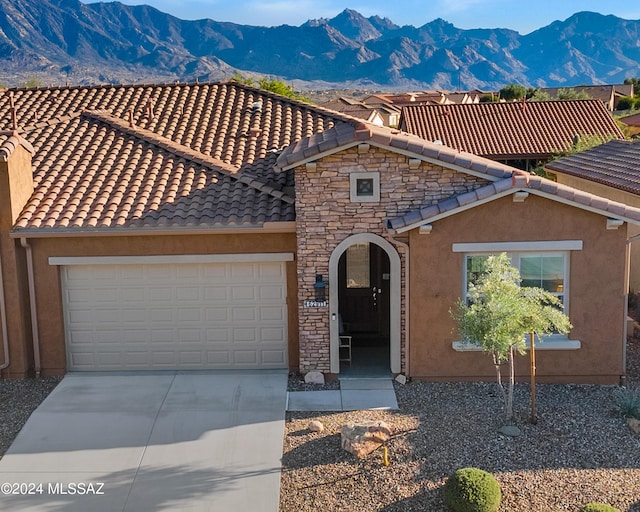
521	134
608	94
197	226
611	170
360	110
632	123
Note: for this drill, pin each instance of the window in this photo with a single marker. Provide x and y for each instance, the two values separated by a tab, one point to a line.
548	271
364	187
358	268
543	264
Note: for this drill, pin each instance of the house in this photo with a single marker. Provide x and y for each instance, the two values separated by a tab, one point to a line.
218	226
610	170
608	94
521	134
374	115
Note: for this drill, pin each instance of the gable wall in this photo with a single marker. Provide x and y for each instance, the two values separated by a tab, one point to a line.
325	216
596	291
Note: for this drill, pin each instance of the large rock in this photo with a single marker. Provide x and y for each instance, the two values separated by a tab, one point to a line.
314	378
634	424
361	439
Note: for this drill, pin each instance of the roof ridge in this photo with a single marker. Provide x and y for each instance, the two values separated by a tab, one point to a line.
185	152
11	143
51	121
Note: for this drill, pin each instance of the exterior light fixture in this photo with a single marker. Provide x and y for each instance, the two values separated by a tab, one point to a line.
320	288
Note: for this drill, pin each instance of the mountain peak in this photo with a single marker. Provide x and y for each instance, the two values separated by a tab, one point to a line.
67	41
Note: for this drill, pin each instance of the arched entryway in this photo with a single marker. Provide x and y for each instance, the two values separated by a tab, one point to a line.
364	270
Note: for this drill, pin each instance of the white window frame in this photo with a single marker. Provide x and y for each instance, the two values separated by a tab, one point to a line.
515	251
353	187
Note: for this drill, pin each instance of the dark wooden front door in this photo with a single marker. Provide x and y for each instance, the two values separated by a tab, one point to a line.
364	279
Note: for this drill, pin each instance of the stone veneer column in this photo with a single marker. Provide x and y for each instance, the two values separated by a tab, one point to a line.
325	216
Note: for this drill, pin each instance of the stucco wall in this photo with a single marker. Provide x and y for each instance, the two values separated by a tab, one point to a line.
48	285
622	197
16	186
596	291
325	216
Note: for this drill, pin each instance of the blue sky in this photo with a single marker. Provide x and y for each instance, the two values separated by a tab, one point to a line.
521	16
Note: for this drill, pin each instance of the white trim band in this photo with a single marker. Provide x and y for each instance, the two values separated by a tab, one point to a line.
174	258
563	344
551	245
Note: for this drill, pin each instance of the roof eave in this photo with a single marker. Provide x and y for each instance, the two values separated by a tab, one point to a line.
533	191
265	228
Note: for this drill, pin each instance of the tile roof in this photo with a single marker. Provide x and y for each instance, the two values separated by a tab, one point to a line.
345	135
514	130
176	155
518	182
615	164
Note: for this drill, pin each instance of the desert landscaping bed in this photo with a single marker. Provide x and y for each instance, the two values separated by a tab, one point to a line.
580	450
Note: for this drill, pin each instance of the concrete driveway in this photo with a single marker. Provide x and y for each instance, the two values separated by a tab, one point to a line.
188	441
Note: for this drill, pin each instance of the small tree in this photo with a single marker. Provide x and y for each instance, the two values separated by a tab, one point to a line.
500	313
513	92
572	94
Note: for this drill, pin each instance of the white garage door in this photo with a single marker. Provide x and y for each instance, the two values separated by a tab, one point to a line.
166	316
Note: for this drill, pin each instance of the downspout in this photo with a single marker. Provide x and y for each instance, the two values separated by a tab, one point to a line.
406	300
32	304
3	321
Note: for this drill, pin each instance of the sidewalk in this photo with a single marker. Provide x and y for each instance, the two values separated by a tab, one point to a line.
353	395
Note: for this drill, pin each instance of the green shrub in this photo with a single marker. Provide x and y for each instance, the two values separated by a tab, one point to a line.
472	490
627	402
598	507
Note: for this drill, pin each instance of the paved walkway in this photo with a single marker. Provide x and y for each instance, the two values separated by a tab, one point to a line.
354	394
159	441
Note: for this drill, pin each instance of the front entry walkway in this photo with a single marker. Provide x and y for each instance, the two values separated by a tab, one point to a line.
192	441
354	394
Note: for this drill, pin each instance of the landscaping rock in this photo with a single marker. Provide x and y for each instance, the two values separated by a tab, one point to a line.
401	379
634	424
360	439
316	426
314	378
510	430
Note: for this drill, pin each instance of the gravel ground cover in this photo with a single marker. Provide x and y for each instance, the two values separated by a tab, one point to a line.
18	399
580	450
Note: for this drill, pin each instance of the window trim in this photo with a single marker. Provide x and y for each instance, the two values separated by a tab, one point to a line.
550	342
353	187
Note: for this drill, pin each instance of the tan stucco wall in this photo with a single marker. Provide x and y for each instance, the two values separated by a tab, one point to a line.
48	285
597	295
16	186
622	197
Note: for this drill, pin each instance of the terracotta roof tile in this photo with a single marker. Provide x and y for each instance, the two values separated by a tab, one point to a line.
615	164
513	130
189	146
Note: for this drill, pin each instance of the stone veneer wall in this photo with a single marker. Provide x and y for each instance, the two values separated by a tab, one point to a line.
325	216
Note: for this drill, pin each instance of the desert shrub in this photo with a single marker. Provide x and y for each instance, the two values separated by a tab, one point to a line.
472	490
627	402
598	507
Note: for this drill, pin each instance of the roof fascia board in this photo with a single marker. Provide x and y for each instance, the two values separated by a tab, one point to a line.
323	154
455	211
393	149
536	192
266	228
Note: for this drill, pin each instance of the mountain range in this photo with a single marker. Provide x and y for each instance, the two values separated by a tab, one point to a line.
60	41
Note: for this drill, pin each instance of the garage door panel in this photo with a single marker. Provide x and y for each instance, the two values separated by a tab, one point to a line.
175	316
